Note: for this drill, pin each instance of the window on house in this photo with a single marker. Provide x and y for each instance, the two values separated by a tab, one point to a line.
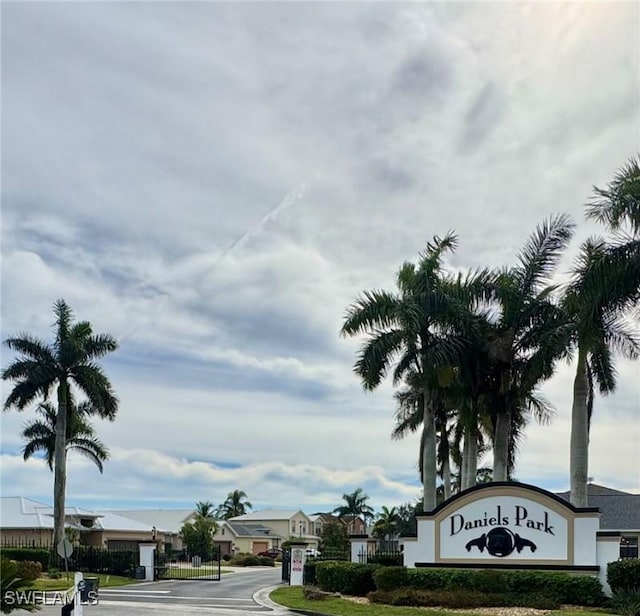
304	528
629	547
318	528
222	531
293	526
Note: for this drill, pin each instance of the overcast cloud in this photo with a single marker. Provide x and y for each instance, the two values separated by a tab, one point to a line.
213	183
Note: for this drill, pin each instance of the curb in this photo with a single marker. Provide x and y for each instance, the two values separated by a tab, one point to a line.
261	597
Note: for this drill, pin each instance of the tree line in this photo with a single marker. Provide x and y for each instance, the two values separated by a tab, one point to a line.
468	351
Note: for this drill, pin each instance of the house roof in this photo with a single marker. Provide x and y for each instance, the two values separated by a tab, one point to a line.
618	510
250	530
171	520
21	512
112	521
17	512
268	514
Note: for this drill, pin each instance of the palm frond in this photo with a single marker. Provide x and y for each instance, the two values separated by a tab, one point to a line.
31	347
618	205
92	381
376	355
371	311
64	317
541	253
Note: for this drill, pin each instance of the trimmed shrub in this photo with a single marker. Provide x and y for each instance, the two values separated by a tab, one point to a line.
390	578
345	577
40	555
29	570
309	573
626	601
251	560
559	587
489	581
624	574
460	599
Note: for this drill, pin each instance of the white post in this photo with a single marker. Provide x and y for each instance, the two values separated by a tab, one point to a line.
359	547
78	584
298	559
147	559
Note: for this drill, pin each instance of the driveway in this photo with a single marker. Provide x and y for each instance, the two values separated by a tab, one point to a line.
236	593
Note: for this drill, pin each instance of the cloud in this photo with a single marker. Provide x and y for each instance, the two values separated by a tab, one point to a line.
215	189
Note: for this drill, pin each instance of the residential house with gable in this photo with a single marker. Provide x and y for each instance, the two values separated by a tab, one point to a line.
258	531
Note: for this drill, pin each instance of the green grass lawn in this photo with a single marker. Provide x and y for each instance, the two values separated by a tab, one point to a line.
291	596
106	581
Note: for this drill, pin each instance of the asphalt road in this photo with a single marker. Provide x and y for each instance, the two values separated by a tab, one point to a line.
235	594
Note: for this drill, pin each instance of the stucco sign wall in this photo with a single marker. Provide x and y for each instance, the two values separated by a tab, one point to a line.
504	527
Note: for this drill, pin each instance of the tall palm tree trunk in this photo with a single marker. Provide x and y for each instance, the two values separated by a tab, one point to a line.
60	465
579	443
446	476
470	459
501	444
429	457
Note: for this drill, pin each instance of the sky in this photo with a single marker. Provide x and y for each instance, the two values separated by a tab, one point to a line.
214	183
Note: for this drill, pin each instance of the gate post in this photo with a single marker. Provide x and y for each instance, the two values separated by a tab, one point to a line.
298	559
147	559
359	547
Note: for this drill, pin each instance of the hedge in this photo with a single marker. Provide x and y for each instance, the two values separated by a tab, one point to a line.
563	587
309	573
251	560
624	574
462	599
40	555
345	577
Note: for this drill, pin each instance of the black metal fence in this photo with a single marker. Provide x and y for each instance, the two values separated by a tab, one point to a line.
113	560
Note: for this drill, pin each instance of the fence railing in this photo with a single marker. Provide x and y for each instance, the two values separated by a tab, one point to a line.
83	558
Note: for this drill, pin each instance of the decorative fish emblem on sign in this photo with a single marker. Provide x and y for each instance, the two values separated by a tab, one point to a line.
500	542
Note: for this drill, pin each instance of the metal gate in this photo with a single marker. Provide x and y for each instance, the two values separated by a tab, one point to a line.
185	566
286	565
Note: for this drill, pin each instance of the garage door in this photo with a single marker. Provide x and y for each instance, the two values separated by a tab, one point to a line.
260	546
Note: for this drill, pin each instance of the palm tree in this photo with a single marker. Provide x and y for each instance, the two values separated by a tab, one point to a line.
205	509
69	361
386	524
604	290
529	335
355	505
409	418
40	434
235	504
410	328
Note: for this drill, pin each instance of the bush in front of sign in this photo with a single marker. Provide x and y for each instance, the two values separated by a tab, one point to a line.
461	599
624	574
559	587
345	577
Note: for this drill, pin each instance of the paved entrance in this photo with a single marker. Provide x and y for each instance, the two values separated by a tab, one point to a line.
234	595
